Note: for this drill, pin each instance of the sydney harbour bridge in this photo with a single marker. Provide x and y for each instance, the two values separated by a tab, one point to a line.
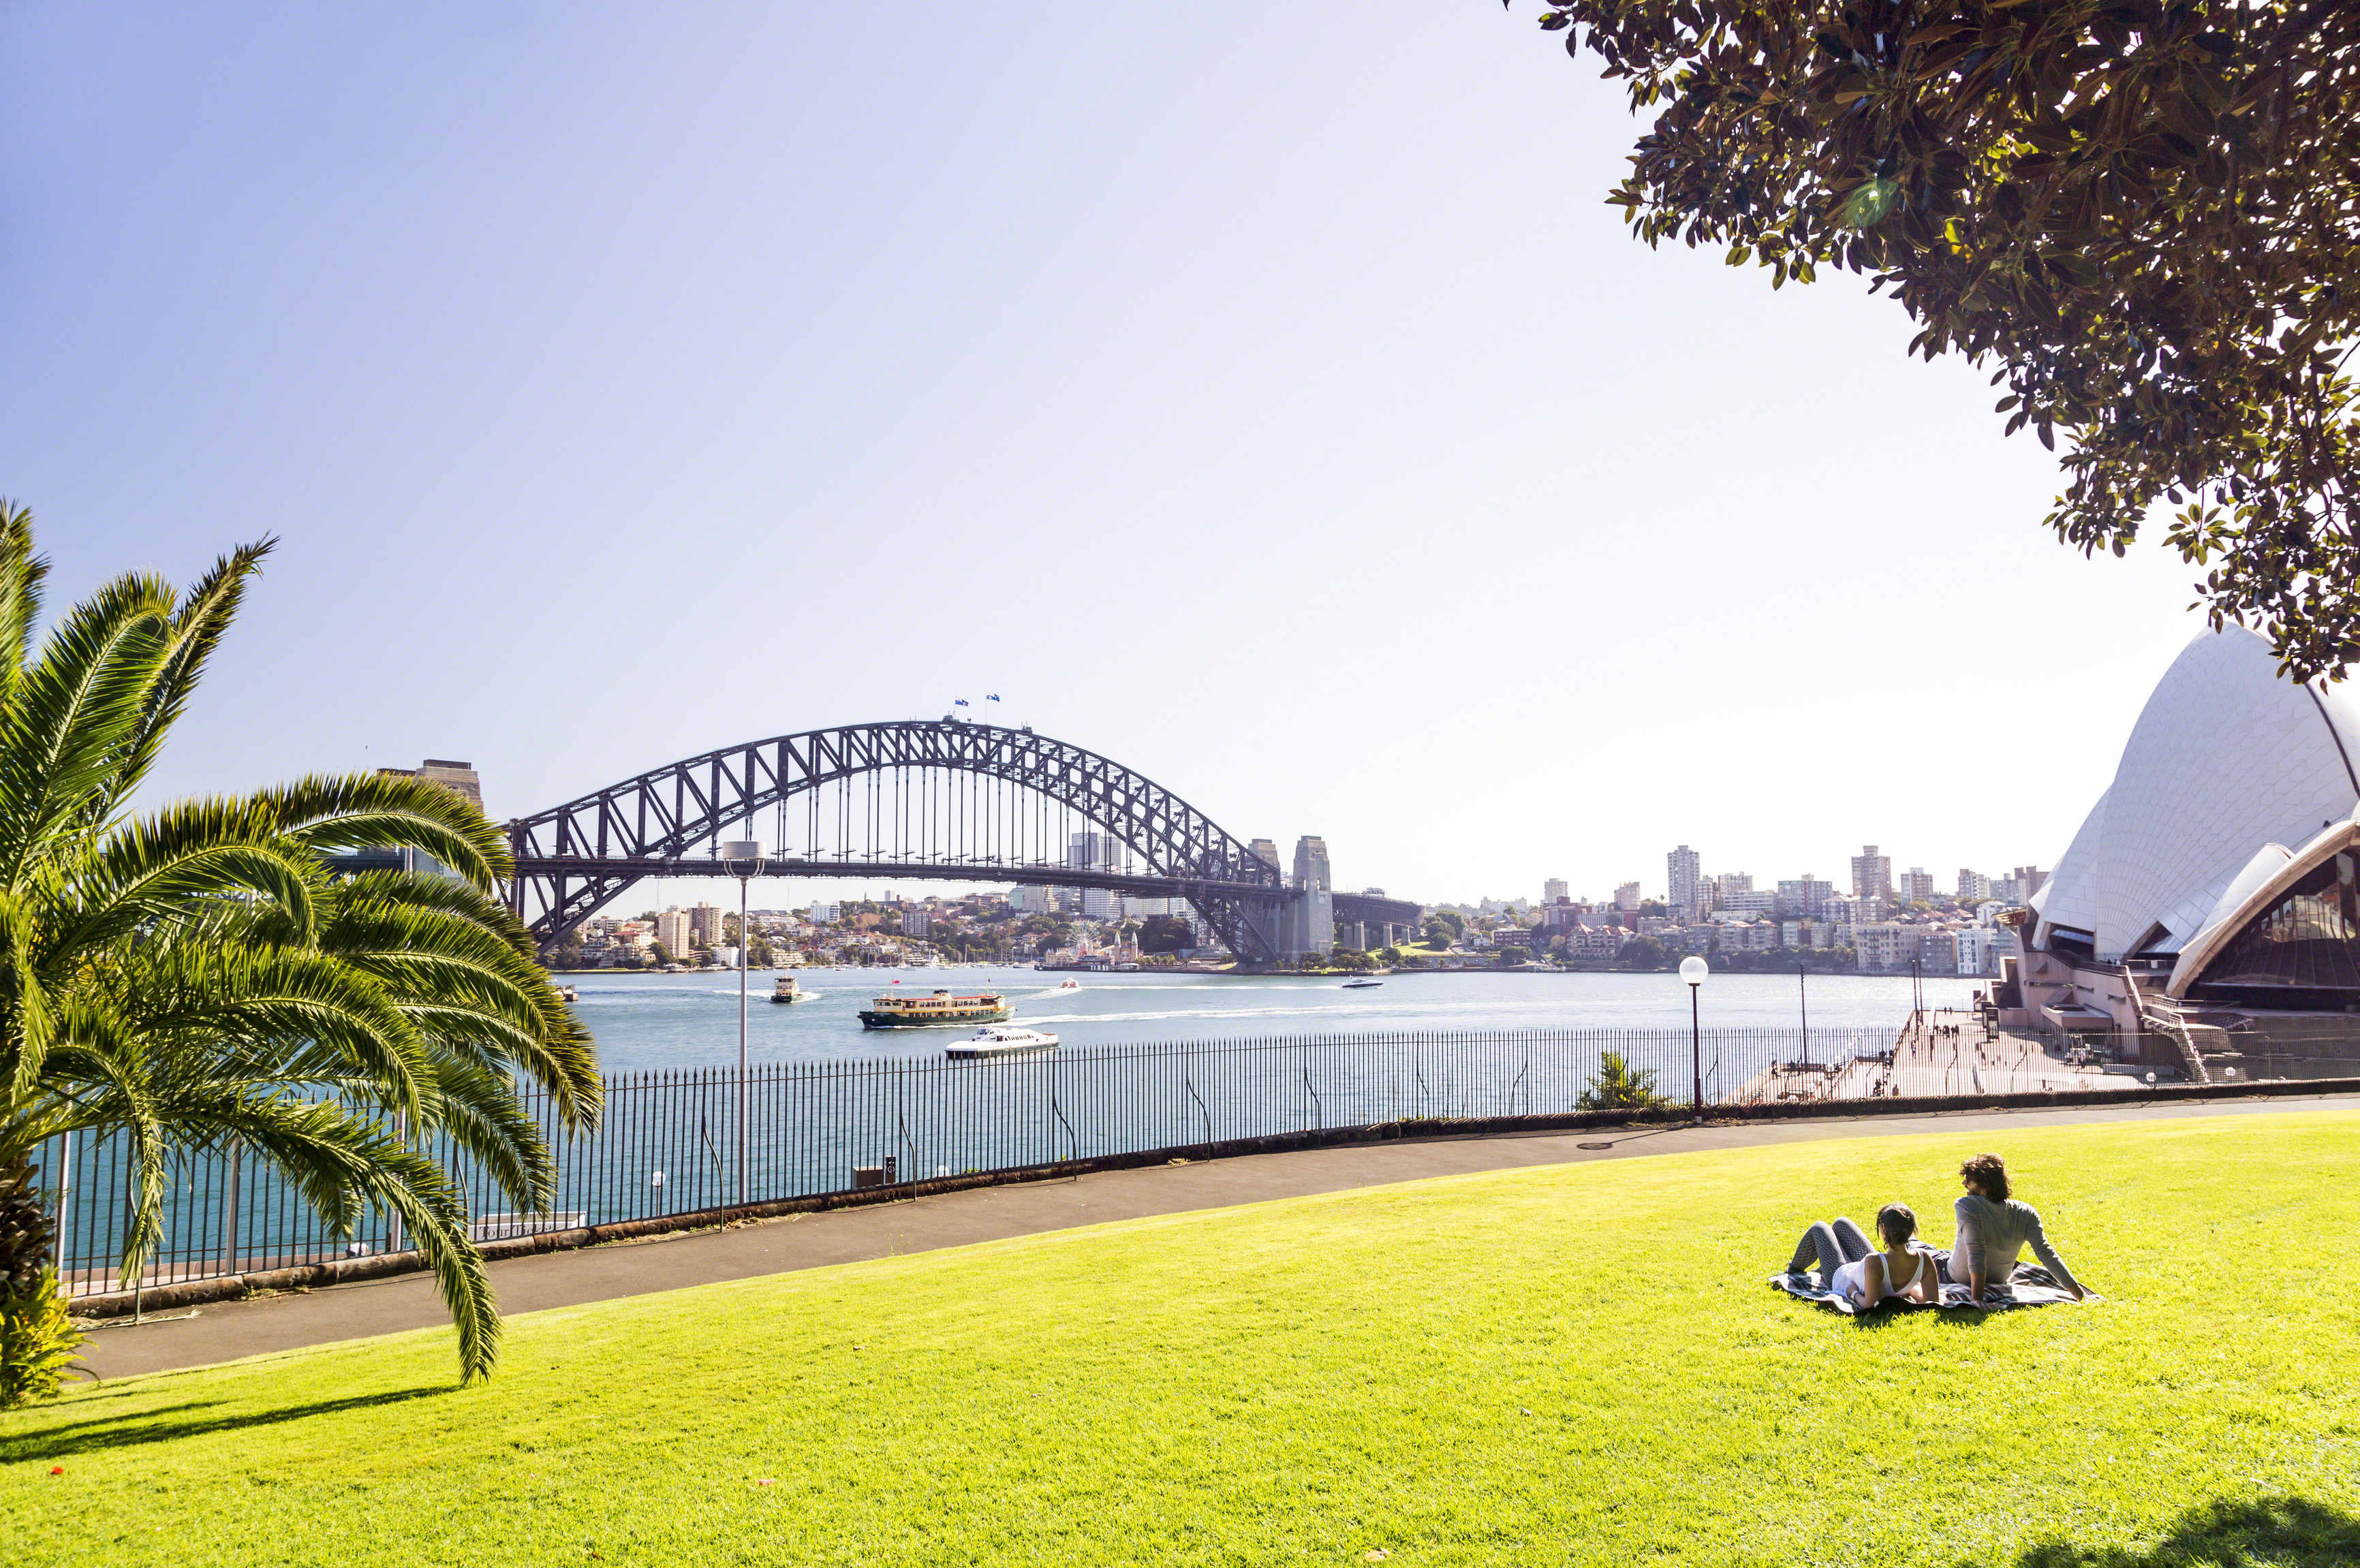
946	801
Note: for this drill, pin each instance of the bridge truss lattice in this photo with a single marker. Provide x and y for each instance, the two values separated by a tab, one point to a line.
910	798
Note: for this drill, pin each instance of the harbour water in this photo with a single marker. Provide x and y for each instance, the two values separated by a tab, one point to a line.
651	1022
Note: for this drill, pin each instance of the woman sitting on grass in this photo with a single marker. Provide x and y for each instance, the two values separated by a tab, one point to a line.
1862	1276
1994	1228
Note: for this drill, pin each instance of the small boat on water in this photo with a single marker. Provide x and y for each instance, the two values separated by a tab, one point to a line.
941	1010
1071	985
565	994
786	990
1362	983
1001	1039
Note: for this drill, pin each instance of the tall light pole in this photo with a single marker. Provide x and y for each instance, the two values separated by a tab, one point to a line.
1693	970
1803	989
744	858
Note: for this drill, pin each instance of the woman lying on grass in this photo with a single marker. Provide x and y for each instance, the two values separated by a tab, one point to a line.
1864	1276
1994	1228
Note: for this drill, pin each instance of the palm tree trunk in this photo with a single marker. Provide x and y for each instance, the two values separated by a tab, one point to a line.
26	1235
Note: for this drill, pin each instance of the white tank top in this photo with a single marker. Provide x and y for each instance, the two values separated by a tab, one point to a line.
1851	1281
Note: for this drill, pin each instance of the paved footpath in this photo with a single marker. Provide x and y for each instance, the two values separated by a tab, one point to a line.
229	1330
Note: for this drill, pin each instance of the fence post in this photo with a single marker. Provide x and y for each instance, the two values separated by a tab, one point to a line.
229	1212
400	1136
65	1186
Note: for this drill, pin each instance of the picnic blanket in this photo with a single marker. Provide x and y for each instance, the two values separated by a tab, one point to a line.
2028	1285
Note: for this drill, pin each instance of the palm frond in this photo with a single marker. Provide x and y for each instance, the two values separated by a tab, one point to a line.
21	575
74	709
183	860
230	1011
200	976
27	1019
203	614
354	811
457	961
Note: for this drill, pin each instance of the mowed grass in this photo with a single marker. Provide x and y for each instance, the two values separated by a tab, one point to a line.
1577	1364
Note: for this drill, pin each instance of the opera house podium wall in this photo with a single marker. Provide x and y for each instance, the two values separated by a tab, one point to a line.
2207	914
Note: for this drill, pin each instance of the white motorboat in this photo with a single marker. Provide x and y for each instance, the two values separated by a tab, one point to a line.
1362	983
1001	1039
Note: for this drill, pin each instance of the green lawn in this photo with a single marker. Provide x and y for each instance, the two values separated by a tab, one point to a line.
1579	1364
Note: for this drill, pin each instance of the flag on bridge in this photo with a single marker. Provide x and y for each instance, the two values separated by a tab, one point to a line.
991	696
960	701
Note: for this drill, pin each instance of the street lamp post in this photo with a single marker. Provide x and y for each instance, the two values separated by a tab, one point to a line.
744	858
1693	970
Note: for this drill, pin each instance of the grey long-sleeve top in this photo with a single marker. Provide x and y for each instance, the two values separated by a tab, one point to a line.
1994	1234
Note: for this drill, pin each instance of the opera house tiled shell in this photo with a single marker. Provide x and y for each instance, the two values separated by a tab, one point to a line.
2226	843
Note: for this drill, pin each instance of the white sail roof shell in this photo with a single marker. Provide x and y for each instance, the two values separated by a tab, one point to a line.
2227	755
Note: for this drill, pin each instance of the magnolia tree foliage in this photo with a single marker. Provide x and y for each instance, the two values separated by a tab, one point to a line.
2141	215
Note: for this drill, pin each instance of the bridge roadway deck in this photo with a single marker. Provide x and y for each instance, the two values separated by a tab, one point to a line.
226	1331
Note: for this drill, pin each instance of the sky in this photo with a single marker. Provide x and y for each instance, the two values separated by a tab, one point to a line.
1262	396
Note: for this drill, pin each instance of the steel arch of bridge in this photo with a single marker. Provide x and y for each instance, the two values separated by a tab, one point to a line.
572	859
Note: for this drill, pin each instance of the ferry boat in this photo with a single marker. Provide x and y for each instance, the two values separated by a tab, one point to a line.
941	1010
786	990
1001	1039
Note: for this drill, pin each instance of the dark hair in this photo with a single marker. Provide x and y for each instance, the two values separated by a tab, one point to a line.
1988	1173
1895	1223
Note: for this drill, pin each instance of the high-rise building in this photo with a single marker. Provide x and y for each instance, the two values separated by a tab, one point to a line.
826	914
1872	873
1626	898
1553	890
1097	852
2031	877
1686	870
1973	888
705	925
1885	949
917	920
2007	890
1735	882
1806	897
1916	883
673	931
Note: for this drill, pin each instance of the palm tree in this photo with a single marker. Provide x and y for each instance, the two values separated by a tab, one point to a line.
200	976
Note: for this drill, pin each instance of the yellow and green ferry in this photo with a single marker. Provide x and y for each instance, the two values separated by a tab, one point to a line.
940	1010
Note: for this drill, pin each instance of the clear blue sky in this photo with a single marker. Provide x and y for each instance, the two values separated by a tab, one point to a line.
1259	394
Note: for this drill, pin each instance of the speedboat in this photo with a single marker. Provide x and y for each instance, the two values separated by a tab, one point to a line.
1362	983
1001	1039
565	994
1071	985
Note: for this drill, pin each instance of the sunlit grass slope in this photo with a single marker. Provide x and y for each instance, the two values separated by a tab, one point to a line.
1579	1364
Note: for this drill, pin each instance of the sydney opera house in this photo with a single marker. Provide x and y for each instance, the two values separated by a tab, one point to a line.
2207	915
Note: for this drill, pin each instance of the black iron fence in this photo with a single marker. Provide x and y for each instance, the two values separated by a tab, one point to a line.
669	1142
